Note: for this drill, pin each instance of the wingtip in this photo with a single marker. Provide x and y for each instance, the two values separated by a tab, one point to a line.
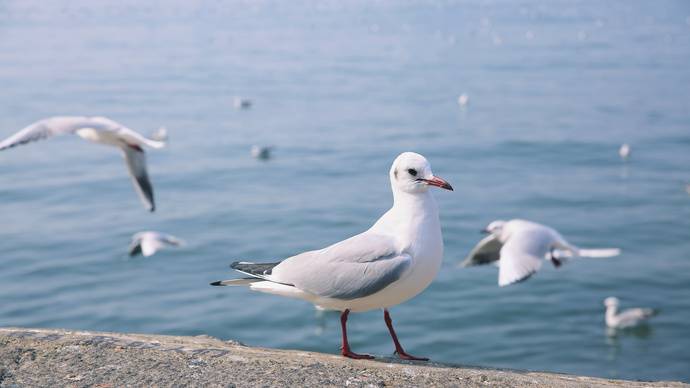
218	283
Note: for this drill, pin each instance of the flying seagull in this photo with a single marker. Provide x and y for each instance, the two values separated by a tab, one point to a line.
149	242
104	131
626	318
519	248
396	259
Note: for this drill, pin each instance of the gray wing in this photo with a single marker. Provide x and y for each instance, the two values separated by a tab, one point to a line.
136	164
39	130
486	251
354	268
633	316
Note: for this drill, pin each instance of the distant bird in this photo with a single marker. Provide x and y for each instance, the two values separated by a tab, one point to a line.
396	259
149	242
624	151
519	248
463	99
99	130
627	318
261	152
241	103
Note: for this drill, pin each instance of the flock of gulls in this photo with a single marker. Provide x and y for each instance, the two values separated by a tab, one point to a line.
392	261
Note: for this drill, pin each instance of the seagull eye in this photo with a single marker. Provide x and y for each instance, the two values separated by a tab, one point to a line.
412	171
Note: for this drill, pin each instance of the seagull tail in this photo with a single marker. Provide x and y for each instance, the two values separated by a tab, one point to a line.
599	253
236	282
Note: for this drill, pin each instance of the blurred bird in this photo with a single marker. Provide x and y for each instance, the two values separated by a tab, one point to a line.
519	248
261	152
463	100
627	318
100	130
241	103
149	242
396	259
624	151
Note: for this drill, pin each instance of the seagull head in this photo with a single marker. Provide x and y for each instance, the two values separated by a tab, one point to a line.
611	301
495	228
411	173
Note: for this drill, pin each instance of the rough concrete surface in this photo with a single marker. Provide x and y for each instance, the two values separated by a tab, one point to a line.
58	358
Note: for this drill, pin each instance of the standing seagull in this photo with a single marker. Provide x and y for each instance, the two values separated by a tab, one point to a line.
393	261
149	242
99	130
519	247
627	318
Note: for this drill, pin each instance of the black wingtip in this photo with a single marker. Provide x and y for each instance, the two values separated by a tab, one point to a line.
218	283
234	264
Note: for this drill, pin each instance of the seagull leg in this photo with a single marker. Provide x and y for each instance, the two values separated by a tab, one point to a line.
398	348
345	349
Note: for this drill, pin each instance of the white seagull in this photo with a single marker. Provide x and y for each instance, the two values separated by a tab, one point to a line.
149	242
627	318
519	248
396	259
261	152
241	103
625	151
104	131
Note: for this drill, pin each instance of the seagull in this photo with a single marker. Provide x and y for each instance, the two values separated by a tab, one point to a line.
518	248
391	262
241	103
261	152
627	318
463	99
104	131
149	242
624	151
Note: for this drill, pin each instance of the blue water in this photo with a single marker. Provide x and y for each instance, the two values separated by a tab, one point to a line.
340	88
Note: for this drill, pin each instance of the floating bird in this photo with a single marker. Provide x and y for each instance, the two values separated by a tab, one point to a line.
99	130
149	242
396	259
627	318
241	103
261	152
624	151
519	247
463	99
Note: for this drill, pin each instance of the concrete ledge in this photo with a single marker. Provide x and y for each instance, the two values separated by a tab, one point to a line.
37	357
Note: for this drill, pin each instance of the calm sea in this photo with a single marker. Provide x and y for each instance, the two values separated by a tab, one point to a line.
341	88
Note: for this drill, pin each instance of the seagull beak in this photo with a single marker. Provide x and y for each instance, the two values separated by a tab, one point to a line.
438	182
484	231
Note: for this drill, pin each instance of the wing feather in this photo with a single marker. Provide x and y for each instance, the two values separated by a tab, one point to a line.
354	268
486	251
136	164
516	264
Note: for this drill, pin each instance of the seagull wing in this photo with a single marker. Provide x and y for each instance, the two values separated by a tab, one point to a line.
135	246
39	130
517	262
488	250
136	164
354	268
632	317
